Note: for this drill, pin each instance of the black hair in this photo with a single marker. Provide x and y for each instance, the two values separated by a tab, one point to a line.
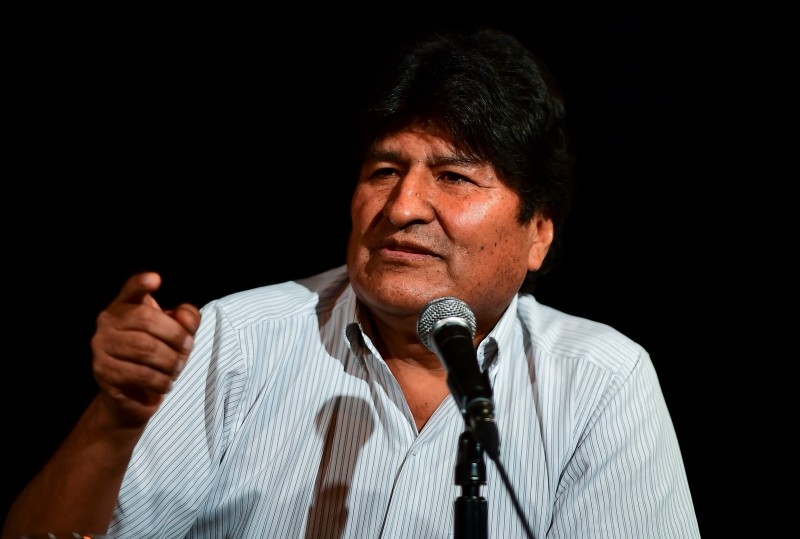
499	103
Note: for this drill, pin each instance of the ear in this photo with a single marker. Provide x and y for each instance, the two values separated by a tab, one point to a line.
540	236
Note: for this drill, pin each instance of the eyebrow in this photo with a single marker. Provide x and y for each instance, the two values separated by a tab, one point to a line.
436	160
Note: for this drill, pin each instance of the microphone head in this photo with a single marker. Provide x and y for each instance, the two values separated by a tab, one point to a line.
437	310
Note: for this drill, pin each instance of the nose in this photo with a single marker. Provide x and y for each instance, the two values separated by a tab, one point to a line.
409	201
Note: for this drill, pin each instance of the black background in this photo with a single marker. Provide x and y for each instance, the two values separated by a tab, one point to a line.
213	146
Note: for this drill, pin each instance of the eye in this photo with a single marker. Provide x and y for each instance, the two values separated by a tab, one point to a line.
452	177
382	173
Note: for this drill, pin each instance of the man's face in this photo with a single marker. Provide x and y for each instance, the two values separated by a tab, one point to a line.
427	223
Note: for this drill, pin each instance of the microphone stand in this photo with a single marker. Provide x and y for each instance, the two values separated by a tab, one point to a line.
451	325
471	510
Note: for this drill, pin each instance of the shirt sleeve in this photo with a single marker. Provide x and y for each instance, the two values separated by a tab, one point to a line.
173	466
626	477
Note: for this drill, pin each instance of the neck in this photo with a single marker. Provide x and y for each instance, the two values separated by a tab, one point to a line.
396	339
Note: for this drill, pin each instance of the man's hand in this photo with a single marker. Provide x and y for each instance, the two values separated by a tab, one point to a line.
139	349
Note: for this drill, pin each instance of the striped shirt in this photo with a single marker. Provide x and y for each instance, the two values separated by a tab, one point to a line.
287	423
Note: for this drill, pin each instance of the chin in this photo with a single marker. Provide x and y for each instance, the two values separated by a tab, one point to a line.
400	295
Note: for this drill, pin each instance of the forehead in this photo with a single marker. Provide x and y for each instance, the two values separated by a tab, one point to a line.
425	141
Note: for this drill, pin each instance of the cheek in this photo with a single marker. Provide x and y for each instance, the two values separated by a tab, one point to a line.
497	239
504	261
362	208
486	227
474	217
358	225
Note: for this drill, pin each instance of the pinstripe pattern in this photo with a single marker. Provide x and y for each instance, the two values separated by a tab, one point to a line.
286	423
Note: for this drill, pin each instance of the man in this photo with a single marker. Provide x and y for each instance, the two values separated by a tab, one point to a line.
312	408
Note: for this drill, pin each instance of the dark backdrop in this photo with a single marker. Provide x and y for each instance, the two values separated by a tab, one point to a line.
214	147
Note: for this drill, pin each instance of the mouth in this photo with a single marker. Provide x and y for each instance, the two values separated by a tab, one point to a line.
405	250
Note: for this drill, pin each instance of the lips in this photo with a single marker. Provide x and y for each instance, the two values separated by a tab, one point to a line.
393	246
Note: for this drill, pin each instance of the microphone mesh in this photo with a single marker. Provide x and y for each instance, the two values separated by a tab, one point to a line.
439	309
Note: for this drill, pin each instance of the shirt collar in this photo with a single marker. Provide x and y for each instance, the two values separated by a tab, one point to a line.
489	349
488	352
358	341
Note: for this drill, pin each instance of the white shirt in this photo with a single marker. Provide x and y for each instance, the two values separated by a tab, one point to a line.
287	423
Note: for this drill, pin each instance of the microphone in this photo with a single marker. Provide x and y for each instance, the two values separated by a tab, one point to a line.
446	326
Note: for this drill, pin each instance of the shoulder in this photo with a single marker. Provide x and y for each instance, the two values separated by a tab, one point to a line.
562	335
289	299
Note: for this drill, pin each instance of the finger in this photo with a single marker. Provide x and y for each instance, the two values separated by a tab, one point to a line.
139	288
188	316
135	391
160	348
175	328
143	335
125	378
